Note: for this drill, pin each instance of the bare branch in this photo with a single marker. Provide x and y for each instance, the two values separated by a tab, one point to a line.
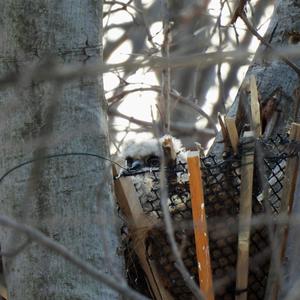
239	10
62	251
173	93
17	250
260	38
165	103
72	71
179	127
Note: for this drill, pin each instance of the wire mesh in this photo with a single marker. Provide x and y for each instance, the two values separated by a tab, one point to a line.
221	179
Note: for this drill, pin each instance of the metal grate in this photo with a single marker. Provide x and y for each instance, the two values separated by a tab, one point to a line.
221	180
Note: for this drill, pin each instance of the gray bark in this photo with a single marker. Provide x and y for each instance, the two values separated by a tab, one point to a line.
67	198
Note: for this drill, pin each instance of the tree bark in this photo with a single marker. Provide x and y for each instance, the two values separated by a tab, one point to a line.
67	198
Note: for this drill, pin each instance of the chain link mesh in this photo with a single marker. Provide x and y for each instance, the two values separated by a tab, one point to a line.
221	179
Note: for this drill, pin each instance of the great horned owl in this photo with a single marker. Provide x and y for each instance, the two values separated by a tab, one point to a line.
143	163
147	153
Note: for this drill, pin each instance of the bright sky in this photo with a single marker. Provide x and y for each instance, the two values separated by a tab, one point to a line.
139	105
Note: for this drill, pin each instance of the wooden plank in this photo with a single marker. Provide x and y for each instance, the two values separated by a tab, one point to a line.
290	172
291	258
169	151
232	133
3	291
200	226
245	214
255	108
281	233
223	127
139	225
224	131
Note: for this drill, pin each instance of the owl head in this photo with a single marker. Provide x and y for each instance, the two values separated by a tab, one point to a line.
147	153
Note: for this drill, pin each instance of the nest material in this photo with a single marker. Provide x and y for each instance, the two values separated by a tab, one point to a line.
160	252
222	187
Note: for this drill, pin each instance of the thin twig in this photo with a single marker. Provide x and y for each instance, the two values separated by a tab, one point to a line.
141	11
17	250
179	127
122	4
170	229
219	66
62	251
238	11
260	38
69	72
173	93
166	73
41	150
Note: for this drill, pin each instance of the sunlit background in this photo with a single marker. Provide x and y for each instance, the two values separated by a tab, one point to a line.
197	27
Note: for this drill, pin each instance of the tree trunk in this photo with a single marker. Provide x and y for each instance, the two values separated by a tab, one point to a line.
68	198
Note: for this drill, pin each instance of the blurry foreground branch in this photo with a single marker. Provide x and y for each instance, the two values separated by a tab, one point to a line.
60	250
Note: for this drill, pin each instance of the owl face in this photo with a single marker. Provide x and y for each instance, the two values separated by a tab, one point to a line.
136	164
146	154
143	165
